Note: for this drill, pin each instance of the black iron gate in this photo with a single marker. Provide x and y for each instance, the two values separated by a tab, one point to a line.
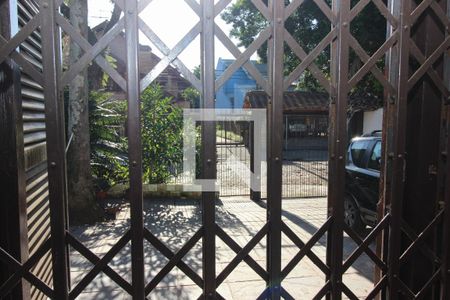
415	52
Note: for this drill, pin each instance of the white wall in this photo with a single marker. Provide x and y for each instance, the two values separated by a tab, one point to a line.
372	120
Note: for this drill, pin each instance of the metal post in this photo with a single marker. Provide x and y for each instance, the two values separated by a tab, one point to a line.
338	144
208	150
275	150
286	128
395	142
54	113
135	149
445	273
13	221
445	175
255	166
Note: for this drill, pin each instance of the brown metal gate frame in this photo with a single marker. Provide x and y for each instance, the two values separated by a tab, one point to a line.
401	16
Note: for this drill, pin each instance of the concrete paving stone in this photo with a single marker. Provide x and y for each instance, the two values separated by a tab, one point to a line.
103	247
304	268
358	284
225	291
101	283
183	279
225	256
103	294
304	287
79	263
168	281
241	273
247	289
175	222
178	293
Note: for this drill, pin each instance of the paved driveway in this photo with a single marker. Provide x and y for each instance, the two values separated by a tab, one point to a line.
175	221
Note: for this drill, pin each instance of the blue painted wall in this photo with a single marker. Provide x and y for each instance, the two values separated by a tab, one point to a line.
232	93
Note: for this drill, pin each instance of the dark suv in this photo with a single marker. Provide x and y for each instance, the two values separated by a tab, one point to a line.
362	180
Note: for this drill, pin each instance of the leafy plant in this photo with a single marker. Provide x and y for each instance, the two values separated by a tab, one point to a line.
308	26
193	96
162	135
109	161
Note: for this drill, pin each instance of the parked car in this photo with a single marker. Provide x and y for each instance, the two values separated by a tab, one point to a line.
362	181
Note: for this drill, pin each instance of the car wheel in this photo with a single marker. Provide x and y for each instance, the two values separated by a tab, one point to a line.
352	216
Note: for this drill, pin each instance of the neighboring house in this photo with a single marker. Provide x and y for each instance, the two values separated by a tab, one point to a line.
170	79
365	114
305	117
232	93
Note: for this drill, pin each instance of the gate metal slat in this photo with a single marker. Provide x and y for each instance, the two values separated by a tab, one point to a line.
101	265
380	285
24	270
445	163
208	149
421	238
412	236
337	142
275	142
244	252
174	260
155	242
286	295
94	259
307	248
85	45
349	293
421	294
395	139
17	40
323	291
55	149
135	149
236	248
309	253
363	246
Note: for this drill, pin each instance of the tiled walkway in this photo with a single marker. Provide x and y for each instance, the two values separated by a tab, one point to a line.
175	221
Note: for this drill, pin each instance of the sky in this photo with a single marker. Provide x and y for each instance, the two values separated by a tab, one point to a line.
170	20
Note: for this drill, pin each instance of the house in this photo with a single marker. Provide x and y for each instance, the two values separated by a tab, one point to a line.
171	81
305	119
232	93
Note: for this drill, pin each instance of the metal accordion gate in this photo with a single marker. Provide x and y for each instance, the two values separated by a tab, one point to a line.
416	54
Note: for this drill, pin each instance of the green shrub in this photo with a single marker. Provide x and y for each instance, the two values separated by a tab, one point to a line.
162	136
109	161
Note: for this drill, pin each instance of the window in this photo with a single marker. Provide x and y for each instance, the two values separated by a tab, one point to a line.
358	150
375	158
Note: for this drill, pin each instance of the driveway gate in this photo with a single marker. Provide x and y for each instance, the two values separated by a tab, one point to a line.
416	59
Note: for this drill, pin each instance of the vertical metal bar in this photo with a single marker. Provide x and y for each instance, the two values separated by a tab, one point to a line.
286	128
383	207
445	273
255	166
208	150
135	149
54	114
444	193
13	220
395	143
445	170
275	150
338	144
334	62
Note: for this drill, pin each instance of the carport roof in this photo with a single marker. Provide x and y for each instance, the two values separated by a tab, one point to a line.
306	102
293	102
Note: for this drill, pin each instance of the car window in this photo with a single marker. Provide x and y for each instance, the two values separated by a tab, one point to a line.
375	157
358	150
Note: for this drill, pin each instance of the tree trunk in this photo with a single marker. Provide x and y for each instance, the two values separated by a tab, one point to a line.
82	205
